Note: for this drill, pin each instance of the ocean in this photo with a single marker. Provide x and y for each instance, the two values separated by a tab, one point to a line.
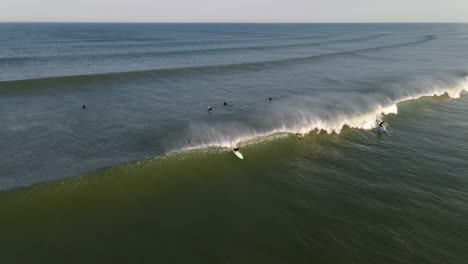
146	174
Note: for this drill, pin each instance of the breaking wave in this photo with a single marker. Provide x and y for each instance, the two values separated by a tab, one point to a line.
329	114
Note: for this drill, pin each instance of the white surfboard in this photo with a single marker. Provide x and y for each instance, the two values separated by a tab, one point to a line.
238	154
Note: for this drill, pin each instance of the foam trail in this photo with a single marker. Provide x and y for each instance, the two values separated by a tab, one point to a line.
328	113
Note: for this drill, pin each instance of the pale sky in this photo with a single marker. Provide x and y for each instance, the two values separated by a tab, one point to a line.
234	10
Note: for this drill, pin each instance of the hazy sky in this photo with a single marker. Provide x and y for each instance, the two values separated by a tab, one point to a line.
235	10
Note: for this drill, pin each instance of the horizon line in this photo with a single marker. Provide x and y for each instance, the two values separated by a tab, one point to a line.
231	22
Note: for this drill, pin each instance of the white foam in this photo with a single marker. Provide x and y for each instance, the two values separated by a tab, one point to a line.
453	91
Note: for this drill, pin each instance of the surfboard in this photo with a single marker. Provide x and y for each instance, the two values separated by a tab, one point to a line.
382	129
238	154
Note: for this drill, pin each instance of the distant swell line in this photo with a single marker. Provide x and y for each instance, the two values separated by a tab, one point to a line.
118	41
6	86
186	52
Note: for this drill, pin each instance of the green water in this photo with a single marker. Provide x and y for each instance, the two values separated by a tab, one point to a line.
356	197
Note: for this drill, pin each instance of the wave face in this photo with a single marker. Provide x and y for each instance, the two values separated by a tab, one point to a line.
147	87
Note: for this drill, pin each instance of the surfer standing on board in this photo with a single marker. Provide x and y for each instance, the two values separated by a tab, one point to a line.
381	124
236	149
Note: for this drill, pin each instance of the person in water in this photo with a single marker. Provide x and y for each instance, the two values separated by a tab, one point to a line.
225	103
210	108
236	149
84	107
381	124
269	99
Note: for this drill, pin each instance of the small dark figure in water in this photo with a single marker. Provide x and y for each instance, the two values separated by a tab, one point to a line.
269	99
381	124
84	107
210	108
224	103
236	149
